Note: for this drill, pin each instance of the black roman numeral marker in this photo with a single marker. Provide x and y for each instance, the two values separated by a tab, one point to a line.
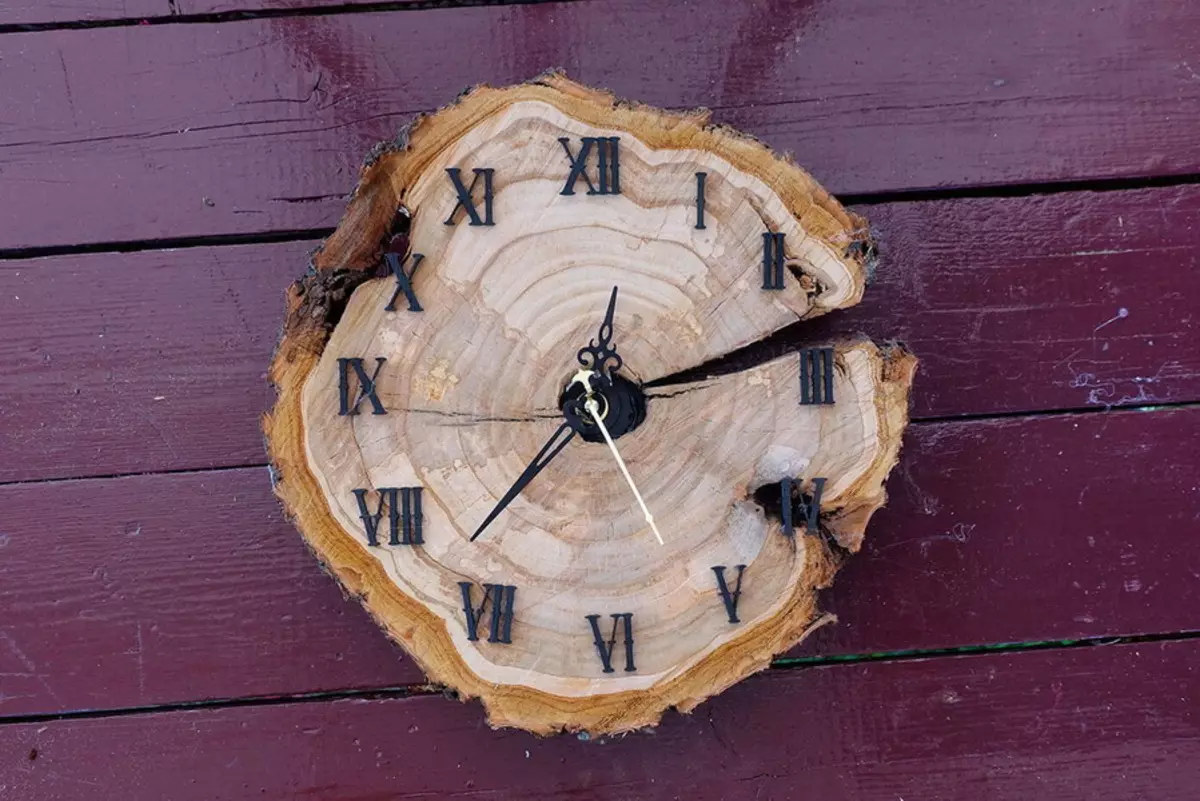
808	506
403	280
730	598
700	178
608	165
404	515
500	597
816	376
606	647
466	200
366	386
772	261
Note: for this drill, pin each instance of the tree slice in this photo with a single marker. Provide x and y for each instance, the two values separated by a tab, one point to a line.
473	384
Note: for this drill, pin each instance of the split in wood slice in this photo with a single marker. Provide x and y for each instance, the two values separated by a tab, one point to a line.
472	388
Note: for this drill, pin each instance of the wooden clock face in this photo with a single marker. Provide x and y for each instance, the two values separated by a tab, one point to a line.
478	437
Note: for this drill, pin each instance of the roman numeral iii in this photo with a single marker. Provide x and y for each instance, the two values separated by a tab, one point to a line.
500	598
403	506
730	599
808	506
606	647
608	165
366	386
816	376
466	196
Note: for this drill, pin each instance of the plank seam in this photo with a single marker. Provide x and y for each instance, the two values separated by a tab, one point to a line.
175	18
981	192
916	421
779	666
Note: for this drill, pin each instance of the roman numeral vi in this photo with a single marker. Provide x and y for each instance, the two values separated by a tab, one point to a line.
404	515
606	647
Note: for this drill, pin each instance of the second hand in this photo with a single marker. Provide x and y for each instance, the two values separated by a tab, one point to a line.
593	408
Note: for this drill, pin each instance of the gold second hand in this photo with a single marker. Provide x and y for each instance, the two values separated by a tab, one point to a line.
594	410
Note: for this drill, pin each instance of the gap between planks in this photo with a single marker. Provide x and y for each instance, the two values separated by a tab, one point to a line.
1097	185
916	421
779	665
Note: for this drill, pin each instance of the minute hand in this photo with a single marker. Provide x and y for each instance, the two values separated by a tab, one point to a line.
556	443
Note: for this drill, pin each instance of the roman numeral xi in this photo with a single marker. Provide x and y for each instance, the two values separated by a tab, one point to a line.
466	196
404	515
608	165
500	598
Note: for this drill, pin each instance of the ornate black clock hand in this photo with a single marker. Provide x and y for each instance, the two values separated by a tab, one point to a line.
599	351
555	444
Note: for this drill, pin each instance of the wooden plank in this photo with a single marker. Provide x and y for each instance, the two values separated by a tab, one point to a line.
183	587
119	363
143	132
38	12
1116	722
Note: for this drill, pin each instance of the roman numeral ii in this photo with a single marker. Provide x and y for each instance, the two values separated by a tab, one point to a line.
404	515
606	647
500	597
608	165
366	386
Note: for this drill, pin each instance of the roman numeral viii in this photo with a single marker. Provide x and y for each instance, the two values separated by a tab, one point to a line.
466	196
500	597
730	599
404	515
816	376
366	386
606	647
809	506
608	165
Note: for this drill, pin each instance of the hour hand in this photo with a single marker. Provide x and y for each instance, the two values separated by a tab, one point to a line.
556	443
600	351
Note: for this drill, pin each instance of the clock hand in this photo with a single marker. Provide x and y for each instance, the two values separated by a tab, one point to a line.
593	408
555	444
600	350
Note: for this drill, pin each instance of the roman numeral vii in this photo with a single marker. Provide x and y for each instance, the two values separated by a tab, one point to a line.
500	597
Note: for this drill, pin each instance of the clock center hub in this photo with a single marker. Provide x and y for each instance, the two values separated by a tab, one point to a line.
621	402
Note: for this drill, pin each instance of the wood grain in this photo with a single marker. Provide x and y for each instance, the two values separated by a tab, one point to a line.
119	363
141	132
990	525
1116	722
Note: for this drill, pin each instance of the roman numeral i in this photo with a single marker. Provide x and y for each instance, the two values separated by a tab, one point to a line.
608	165
404	515
606	647
465	194
366	384
500	597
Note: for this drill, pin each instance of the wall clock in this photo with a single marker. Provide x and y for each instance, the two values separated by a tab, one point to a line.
509	423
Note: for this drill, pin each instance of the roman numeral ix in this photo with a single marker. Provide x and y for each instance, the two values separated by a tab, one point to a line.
500	597
466	195
816	376
730	598
366	384
608	165
403	280
809	507
772	262
606	647
404	515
